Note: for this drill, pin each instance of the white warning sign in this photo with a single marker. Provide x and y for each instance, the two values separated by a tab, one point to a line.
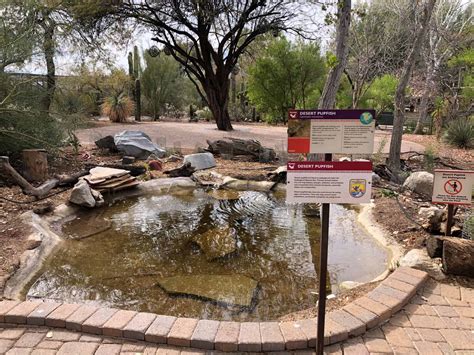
453	187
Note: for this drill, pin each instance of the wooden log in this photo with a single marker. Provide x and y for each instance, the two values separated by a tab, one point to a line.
458	256
26	187
241	147
35	164
184	170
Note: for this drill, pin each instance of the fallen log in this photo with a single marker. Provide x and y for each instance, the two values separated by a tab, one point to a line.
458	256
185	170
26	187
240	147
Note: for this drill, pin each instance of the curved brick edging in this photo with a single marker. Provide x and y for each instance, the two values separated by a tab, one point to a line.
352	320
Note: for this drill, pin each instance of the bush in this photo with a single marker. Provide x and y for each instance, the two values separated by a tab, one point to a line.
460	133
118	107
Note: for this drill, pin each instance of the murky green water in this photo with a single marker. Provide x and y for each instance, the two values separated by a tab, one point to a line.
152	237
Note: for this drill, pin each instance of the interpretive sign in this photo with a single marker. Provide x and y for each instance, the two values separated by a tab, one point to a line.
329	182
453	187
331	131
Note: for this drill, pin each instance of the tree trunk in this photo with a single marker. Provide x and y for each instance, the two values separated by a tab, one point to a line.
35	162
49	50
458	256
399	117
425	99
218	100
328	97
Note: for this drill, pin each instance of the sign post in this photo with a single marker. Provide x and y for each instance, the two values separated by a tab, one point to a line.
452	187
327	132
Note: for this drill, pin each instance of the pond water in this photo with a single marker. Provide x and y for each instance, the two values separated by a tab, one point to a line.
153	238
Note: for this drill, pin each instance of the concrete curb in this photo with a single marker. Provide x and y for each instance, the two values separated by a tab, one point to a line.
352	320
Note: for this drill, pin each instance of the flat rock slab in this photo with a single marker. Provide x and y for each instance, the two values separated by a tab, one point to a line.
217	243
236	290
100	174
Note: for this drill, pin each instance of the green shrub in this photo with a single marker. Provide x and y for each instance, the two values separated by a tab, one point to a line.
460	133
468	228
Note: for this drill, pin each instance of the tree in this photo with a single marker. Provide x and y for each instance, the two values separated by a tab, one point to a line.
379	41
399	117
381	93
449	24
208	37
328	96
163	84
285	76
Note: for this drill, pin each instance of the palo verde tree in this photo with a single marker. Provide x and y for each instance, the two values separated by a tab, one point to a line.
207	38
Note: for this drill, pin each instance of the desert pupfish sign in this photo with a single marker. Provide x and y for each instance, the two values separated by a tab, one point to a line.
329	182
331	131
453	187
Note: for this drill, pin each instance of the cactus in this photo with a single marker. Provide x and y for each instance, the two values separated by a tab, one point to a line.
134	70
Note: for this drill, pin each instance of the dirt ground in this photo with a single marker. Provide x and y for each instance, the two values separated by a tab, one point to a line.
396	215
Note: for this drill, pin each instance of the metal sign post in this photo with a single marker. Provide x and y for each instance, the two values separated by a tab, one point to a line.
323	269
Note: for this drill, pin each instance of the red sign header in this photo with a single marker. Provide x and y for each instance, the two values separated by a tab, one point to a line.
330	165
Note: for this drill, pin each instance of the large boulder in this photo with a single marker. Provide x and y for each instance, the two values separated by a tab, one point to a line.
420	182
234	290
137	144
200	161
84	196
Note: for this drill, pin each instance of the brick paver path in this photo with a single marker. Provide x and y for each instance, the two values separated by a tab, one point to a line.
438	320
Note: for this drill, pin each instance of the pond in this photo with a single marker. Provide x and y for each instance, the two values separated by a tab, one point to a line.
159	254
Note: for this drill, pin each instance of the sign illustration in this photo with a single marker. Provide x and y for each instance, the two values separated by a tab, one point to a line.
453	187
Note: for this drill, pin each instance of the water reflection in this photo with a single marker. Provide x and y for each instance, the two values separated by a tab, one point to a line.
152	237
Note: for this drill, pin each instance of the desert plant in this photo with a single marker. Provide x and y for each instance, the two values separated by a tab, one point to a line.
117	107
460	133
431	154
468	228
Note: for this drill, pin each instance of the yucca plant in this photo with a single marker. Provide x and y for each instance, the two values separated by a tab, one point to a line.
460	133
117	107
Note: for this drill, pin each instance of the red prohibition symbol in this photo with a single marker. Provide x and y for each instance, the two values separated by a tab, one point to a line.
453	187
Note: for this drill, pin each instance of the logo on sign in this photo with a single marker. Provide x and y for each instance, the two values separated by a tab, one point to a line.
291	165
293	114
357	187
366	118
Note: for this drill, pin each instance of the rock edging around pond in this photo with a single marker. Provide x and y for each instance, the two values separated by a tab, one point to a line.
352	320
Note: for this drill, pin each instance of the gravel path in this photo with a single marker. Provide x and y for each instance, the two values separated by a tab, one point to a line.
192	135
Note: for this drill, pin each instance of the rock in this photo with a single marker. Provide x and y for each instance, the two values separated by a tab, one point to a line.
241	185
217	243
278	175
432	218
267	155
101	174
419	259
376	179
155	165
184	170
236	290
99	199
128	160
81	195
43	208
420	182
434	246
458	256
137	144
200	161
106	142
223	194
349	285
